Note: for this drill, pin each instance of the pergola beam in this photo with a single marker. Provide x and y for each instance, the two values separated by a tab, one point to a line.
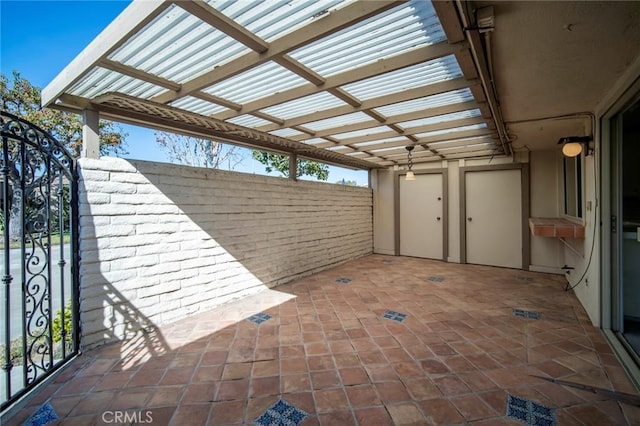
382	66
211	16
135	17
135	111
409	131
325	25
425	113
137	74
406	95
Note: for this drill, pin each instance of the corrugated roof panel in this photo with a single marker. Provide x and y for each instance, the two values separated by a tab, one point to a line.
101	80
382	150
402	156
379	141
249	121
339	148
314	141
452	130
470	154
363	132
287	133
256	83
487	145
419	75
463	141
395	31
470	113
303	106
178	47
198	106
441	99
330	123
272	19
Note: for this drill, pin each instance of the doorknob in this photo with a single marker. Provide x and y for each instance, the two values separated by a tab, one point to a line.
469	219
438	218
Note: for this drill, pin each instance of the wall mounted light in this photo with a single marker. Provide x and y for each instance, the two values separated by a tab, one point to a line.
572	146
410	175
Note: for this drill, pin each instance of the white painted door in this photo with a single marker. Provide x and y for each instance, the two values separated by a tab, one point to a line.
421	229
494	218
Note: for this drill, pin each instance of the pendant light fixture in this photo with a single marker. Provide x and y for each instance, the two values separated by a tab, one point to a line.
410	175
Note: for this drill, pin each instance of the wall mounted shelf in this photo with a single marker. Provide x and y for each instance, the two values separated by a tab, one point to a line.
555	227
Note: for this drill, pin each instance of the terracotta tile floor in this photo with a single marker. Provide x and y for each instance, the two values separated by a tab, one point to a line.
328	350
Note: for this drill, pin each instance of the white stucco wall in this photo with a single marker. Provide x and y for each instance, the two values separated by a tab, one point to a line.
382	183
585	256
384	199
545	169
160	242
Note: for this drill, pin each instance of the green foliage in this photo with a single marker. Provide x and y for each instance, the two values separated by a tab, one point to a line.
280	163
15	346
347	182
56	326
19	97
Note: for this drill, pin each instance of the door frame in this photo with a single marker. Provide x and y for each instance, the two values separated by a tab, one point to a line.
524	196
445	208
610	265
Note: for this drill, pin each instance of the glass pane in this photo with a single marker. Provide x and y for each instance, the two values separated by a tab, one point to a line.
630	247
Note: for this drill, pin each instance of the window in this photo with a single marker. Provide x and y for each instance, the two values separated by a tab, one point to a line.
572	169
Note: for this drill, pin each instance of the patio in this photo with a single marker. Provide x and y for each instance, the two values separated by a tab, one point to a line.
466	343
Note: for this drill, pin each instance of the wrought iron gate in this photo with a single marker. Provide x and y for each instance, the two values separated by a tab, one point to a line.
39	291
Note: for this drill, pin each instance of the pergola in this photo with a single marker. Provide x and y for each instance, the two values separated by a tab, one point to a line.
349	83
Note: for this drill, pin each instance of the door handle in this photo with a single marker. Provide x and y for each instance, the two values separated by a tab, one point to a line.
469	219
438	218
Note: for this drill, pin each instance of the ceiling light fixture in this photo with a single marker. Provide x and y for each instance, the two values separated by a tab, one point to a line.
410	175
572	146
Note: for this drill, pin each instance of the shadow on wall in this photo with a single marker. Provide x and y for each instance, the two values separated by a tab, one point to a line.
161	242
274	228
106	314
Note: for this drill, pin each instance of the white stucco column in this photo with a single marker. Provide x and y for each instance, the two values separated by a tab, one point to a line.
90	134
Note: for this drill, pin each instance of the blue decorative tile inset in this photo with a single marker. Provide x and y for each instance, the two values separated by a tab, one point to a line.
387	261
282	413
523	278
44	415
259	318
435	279
395	316
343	280
526	314
533	315
529	412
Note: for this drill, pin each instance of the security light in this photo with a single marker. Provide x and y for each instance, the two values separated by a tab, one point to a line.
572	146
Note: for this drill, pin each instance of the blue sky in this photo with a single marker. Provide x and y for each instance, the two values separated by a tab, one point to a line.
39	38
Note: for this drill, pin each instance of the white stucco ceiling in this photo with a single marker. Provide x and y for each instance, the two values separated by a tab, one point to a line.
553	59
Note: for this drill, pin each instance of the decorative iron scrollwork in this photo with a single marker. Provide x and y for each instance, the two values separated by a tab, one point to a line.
38	217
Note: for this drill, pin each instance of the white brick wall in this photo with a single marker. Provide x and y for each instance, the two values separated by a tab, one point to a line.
159	242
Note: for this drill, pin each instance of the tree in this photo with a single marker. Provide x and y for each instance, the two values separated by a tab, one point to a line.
280	163
347	182
199	152
19	97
